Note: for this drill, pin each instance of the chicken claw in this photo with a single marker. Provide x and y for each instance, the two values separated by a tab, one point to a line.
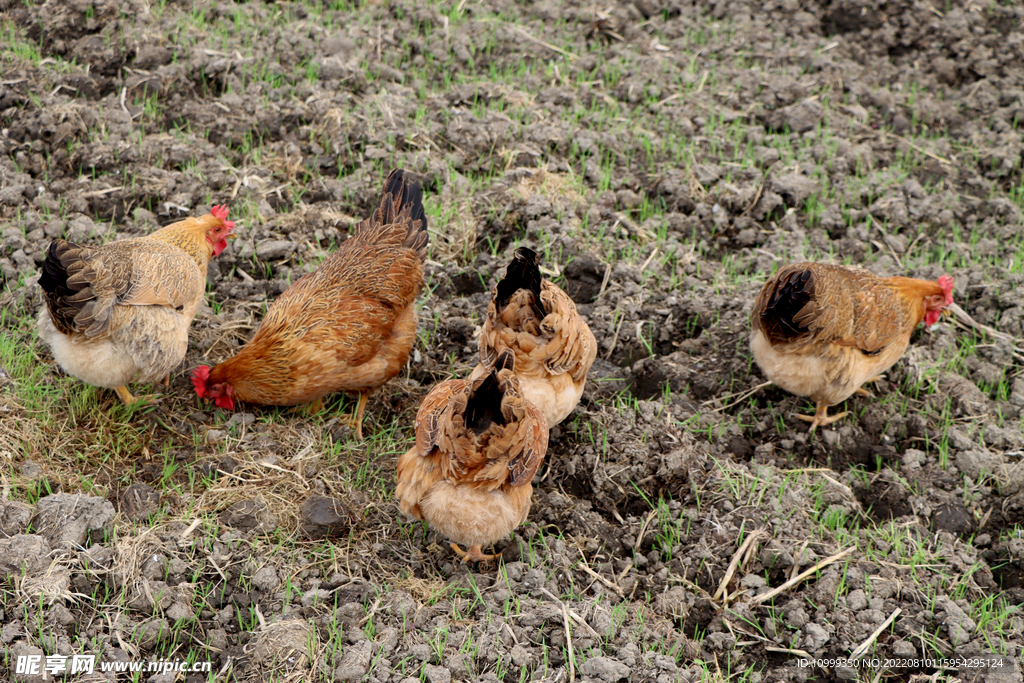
864	392
474	554
356	420
820	418
127	398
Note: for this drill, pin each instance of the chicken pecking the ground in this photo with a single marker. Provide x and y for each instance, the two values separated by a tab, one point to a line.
554	348
119	313
348	326
822	331
478	444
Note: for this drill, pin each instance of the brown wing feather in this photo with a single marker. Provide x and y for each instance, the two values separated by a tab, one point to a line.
576	348
84	284
532	436
434	428
814	303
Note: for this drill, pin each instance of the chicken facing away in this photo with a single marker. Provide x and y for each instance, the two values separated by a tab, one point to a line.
119	313
478	444
554	348
822	331
348	326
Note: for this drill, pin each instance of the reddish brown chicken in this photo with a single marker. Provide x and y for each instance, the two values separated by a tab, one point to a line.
822	331
349	326
119	313
478	444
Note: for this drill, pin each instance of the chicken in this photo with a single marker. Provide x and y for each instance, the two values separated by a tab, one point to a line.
478	444
348	326
553	346
119	313
822	331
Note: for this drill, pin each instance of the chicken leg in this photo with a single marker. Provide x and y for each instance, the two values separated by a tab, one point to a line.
474	554
127	398
356	421
311	408
820	418
864	392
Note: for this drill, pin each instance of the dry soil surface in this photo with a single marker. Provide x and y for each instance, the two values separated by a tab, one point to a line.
663	157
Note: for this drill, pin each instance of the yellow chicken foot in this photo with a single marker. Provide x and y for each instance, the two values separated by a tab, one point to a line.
311	408
474	554
166	381
864	392
127	398
356	421
820	418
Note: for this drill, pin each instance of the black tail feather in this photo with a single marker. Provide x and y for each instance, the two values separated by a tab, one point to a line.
397	196
506	361
56	291
54	279
788	299
484	406
522	273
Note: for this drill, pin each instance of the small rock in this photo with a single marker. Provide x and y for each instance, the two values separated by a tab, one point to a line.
65	518
605	668
284	645
856	600
846	673
179	611
249	515
215	435
521	656
815	638
275	249
794	188
799	118
138	501
323	517
14	518
149	633
23	649
266	579
242	419
437	674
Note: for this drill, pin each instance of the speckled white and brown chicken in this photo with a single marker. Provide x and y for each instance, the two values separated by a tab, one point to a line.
478	444
822	331
119	313
348	326
553	346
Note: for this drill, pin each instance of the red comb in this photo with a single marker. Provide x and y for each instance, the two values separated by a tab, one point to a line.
221	212
946	282
199	377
